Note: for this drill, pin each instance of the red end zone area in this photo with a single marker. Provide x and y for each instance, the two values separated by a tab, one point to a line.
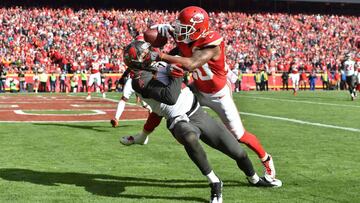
63	108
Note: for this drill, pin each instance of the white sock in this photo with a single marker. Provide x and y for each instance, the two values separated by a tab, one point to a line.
212	177
254	179
120	109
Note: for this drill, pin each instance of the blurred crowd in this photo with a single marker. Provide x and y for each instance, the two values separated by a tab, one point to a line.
67	40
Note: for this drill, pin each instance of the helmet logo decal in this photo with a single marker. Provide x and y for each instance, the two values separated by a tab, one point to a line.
132	53
197	18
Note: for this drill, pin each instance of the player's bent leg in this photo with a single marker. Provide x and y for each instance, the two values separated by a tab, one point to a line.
188	136
227	111
216	136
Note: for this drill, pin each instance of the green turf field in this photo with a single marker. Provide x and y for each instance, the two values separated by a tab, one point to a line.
314	139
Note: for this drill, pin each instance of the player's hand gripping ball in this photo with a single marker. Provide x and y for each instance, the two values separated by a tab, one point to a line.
154	38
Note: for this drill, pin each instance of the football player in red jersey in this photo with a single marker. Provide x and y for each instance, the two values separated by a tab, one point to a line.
95	77
203	52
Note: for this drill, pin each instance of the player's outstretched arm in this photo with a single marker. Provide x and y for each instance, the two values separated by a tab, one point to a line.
198	59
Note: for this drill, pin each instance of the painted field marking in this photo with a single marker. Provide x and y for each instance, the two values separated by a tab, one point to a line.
306	102
92	105
302	122
96	112
8	106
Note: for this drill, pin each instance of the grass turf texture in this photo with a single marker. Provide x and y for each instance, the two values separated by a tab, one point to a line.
84	162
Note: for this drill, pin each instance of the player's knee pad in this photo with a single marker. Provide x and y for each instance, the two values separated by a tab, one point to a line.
185	133
189	139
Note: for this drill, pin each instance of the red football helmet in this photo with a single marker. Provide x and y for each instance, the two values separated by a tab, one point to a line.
191	24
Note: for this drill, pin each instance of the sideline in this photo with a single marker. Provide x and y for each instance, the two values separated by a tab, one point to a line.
301	122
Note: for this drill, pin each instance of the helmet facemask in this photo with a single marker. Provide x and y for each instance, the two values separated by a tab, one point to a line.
182	32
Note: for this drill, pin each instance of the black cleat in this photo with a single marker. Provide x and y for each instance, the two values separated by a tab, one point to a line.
265	183
216	194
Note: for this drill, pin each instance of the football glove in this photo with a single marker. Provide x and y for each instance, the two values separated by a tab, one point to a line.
163	29
175	71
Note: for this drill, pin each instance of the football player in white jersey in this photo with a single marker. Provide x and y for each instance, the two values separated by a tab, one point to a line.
160	85
349	67
295	78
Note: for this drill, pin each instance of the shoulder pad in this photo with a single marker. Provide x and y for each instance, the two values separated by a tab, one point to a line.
211	39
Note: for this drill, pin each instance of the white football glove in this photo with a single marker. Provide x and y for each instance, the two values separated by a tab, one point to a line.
134	139
163	29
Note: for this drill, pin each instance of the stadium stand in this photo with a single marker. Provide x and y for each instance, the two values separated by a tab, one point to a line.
56	39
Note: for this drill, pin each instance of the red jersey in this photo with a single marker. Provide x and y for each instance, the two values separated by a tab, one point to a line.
95	67
211	77
294	70
303	76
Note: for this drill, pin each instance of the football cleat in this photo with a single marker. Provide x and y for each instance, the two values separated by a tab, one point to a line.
114	123
216	192
269	166
103	95
136	139
265	183
88	97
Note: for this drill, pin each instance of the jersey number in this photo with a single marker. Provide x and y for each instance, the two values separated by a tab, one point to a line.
200	76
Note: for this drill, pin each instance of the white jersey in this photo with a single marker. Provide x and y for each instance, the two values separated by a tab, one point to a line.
182	105
349	67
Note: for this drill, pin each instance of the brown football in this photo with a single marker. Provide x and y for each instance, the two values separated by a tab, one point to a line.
154	38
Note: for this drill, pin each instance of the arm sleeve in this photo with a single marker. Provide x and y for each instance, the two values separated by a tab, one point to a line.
167	94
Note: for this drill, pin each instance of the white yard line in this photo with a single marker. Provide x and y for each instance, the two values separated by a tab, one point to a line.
96	112
302	101
301	122
8	106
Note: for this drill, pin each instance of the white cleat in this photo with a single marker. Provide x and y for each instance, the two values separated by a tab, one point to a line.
103	95
136	139
88	97
269	166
